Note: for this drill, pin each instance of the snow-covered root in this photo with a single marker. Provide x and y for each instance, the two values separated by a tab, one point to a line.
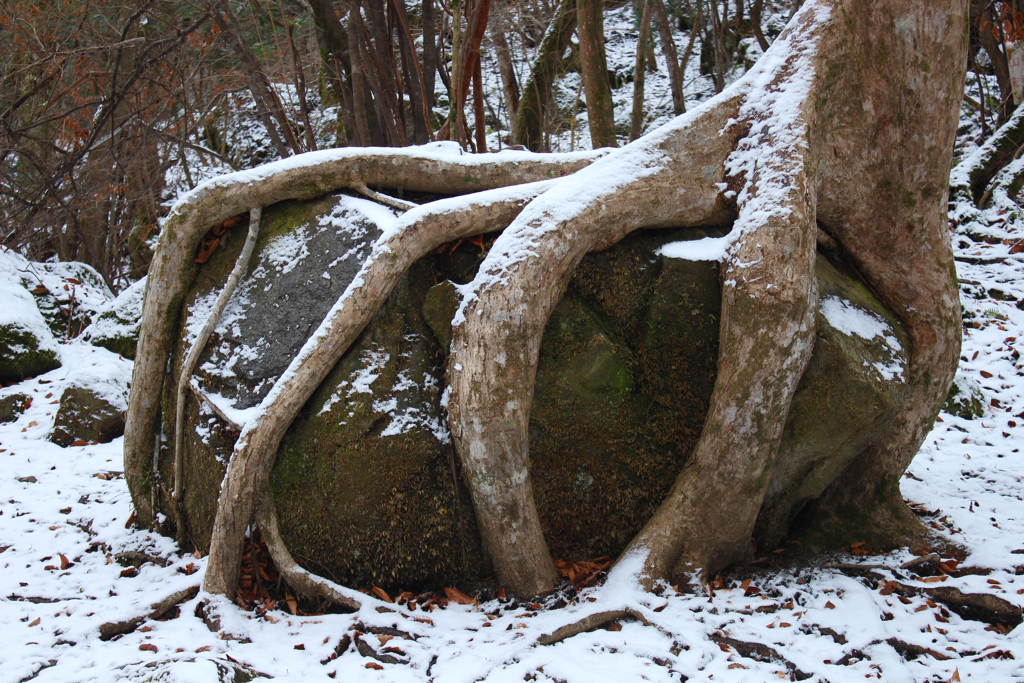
433	168
415	234
767	329
304	583
193	357
753	139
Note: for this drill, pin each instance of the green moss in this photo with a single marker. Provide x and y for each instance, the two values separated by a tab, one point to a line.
21	355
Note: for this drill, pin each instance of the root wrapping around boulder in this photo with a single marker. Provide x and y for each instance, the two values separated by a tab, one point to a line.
197	348
774	156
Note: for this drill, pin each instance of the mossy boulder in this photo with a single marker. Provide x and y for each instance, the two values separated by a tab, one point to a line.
367	484
13	406
117	324
965	398
27	346
69	295
87	415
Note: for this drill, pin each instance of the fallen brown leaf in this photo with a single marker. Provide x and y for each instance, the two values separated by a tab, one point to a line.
460	598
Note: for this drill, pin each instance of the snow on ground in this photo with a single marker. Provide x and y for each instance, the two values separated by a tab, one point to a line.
62	531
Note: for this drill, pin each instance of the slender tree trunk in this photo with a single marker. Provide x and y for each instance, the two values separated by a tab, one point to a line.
536	96
698	21
597	89
503	55
429	58
359	103
668	47
636	121
982	18
479	117
755	20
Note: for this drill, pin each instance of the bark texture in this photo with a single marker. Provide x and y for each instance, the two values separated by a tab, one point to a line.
594	69
818	143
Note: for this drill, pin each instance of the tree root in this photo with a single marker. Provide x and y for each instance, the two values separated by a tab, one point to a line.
189	365
589	623
157	610
760	653
304	583
416	234
985	607
387	200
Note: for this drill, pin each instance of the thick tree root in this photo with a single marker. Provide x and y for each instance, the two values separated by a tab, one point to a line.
304	583
312	175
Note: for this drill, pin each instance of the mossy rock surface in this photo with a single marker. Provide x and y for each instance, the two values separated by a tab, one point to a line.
85	415
367	484
13	406
850	391
26	352
27	346
68	294
965	398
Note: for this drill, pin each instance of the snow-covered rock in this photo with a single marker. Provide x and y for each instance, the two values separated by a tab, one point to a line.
117	322
27	347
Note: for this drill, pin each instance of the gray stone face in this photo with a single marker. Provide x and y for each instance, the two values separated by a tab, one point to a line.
117	323
367	484
307	254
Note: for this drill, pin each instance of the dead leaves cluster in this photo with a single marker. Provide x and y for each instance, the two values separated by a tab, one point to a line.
582	573
215	237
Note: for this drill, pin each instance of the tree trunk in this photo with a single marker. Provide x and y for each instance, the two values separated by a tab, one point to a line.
819	140
755	21
503	55
982	18
598	91
536	99
668	48
636	120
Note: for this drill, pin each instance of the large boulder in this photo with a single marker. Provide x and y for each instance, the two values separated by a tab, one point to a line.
27	346
367	484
